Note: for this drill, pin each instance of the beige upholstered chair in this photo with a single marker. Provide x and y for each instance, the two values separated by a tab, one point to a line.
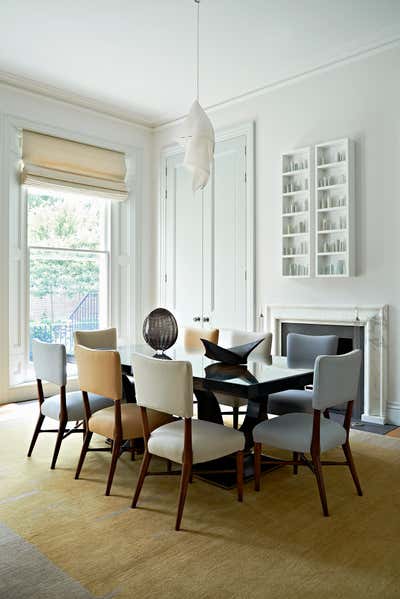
97	339
231	338
336	380
99	372
192	338
50	363
168	386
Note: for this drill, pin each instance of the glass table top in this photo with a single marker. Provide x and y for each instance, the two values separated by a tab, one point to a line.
256	371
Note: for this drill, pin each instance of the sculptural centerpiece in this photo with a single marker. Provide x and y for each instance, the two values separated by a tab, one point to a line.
160	330
234	355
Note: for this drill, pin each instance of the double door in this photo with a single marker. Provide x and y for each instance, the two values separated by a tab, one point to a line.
205	279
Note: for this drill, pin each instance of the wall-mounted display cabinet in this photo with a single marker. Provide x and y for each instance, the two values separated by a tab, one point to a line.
296	214
334	209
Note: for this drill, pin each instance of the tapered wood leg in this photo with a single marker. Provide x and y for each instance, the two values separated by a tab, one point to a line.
60	435
257	466
186	470
114	459
239	474
320	481
142	474
36	434
236	417
350	461
84	449
295	458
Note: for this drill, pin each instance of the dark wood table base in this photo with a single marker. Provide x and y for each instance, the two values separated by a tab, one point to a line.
222	472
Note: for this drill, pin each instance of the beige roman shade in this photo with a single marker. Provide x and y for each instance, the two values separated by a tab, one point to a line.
54	162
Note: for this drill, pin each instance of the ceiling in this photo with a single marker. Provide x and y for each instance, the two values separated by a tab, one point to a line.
136	58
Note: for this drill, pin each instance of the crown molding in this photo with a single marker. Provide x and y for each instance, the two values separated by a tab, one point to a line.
55	93
332	64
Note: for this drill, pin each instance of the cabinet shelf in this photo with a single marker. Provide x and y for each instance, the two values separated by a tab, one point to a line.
333	164
332	209
294	256
294	193
295	234
329	231
297	172
299	213
331	186
332	253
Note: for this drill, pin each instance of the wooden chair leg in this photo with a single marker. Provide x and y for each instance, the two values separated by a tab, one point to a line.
350	462
169	466
295	458
84	449
142	474
36	434
186	470
132	445
316	459
257	466
239	474
60	435
114	459
236	418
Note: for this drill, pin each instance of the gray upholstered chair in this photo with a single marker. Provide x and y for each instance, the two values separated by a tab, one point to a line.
336	380
230	338
50	363
302	351
167	386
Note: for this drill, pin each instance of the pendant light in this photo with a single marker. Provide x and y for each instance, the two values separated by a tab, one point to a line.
200	137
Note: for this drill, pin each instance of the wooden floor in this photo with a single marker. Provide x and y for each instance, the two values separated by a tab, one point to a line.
395	433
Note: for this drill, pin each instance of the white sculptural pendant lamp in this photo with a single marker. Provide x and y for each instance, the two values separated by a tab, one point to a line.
200	137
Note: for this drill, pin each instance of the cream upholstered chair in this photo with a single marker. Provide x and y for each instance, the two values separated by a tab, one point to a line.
231	338
336	380
97	339
99	372
168	386
302	351
50	363
192	338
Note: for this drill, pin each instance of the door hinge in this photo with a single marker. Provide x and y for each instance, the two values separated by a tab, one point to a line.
165	278
245	275
245	177
245	150
166	194
166	171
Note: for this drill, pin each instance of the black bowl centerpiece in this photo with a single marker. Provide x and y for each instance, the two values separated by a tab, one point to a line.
160	330
234	355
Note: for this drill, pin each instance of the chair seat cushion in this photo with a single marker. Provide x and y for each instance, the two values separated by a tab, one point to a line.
75	406
294	432
209	440
287	402
230	400
103	421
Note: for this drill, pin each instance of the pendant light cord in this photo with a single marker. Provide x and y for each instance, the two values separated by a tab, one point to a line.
198	51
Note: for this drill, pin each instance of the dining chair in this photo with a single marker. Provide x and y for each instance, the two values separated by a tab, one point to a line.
168	386
97	339
99	371
50	364
192	338
302	351
336	380
231	338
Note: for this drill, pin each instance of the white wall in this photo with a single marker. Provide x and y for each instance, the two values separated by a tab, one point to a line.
85	124
360	100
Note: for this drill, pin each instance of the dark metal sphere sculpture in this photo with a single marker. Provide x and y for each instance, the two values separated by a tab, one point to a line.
160	329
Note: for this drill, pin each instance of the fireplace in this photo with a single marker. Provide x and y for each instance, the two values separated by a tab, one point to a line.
350	337
364	327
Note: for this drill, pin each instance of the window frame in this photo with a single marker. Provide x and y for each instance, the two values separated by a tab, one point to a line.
25	190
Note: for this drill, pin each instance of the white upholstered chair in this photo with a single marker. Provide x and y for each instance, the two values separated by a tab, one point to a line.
302	351
192	337
50	363
167	386
336	380
97	339
230	338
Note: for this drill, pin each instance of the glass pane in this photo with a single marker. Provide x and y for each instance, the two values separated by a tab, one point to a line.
70	221
68	292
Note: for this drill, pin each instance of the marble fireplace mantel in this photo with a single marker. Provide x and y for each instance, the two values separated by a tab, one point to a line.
374	319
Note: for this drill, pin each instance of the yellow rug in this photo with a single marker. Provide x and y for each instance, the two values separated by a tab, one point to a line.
276	545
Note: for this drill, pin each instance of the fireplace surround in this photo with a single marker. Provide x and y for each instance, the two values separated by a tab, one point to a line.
372	322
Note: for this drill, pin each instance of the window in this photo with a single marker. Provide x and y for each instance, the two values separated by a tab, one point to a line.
68	243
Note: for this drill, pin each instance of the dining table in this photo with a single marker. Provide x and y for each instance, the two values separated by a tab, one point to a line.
254	381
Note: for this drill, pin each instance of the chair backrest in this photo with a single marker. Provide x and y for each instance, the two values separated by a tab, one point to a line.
230	338
302	350
336	379
99	371
50	362
192	338
164	385
101	338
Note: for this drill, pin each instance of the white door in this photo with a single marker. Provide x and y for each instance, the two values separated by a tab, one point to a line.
206	241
